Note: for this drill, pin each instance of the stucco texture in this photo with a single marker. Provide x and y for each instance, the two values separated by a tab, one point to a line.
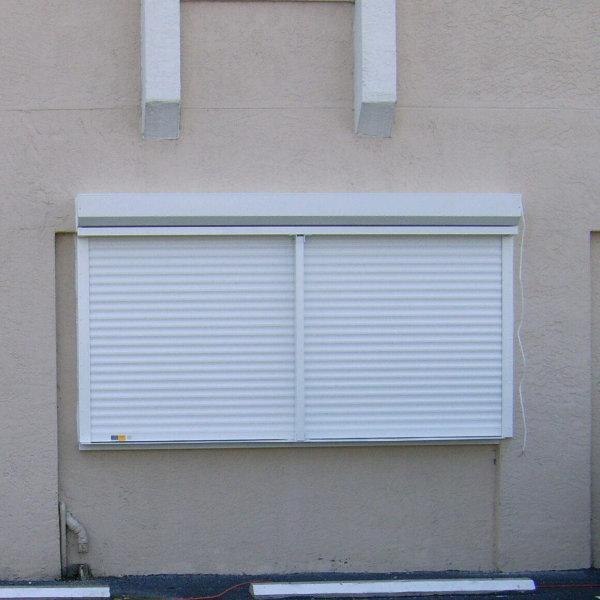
494	96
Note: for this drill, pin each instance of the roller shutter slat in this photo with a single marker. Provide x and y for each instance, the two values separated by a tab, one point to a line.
391	315
226	304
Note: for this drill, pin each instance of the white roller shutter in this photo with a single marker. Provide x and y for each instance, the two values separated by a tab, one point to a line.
403	337
268	318
190	338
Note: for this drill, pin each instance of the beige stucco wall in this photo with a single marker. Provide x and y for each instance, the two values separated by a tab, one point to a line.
494	96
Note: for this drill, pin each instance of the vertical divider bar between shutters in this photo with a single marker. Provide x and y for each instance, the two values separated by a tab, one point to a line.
508	324
83	326
299	340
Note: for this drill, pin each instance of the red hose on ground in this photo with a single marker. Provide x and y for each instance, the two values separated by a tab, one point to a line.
221	594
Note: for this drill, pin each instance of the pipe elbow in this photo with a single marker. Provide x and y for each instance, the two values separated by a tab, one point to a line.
78	529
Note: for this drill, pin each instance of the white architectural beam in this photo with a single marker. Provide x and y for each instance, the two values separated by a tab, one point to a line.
161	79
374	66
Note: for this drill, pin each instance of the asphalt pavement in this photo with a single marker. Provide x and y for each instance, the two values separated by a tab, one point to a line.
581	584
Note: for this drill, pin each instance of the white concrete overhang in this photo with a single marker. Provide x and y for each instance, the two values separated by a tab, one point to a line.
374	68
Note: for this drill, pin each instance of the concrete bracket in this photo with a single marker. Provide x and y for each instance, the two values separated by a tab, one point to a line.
374	67
161	69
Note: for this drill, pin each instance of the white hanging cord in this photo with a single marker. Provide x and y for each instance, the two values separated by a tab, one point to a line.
519	339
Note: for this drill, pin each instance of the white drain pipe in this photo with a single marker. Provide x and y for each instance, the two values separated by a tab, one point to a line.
68	521
76	527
